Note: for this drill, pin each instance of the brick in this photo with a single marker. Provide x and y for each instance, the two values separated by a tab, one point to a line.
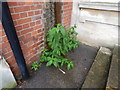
35	2
66	20
28	35
32	51
36	17
67	3
67	0
41	1
40	30
41	25
26	55
31	13
1	27
67	13
41	45
39	6
18	9
37	27
25	26
32	23
15	16
12	3
21	3
30	47
32	7
33	58
24	14
34	45
24	47
28	3
33	33
21	43
30	43
26	40
6	50
22	21
38	12
22	37
18	28
2	33
4	39
41	38
19	33
6	55
67	6
10	58
16	70
41	34
24	31
15	23
67	10
12	62
38	22
26	8
30	62
67	17
12	10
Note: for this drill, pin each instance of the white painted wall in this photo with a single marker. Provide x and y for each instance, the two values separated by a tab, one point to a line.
96	26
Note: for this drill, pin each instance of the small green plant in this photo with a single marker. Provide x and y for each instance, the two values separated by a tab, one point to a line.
60	41
35	66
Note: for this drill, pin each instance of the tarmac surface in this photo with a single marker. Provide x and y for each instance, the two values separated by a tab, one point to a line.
51	77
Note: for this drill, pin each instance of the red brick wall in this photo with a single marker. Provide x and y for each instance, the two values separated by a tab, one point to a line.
66	13
29	22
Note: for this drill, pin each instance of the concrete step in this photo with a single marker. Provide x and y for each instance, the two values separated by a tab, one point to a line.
97	76
113	72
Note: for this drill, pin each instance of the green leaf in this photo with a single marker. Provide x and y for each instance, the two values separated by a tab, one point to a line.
62	30
62	63
49	63
35	66
68	66
56	64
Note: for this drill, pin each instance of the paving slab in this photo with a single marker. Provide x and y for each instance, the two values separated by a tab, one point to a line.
97	76
51	77
113	73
